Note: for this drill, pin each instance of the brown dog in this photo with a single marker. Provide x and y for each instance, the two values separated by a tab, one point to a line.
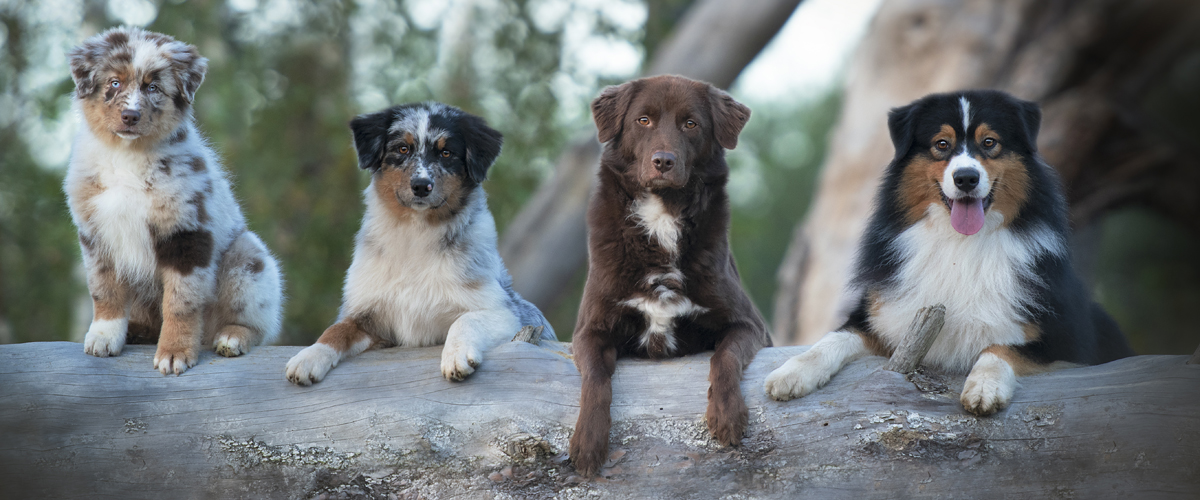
661	279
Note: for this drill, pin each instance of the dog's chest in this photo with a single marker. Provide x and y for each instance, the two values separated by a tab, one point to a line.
412	287
660	295
125	199
983	281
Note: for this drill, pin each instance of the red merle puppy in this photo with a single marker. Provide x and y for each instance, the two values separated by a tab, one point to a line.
661	279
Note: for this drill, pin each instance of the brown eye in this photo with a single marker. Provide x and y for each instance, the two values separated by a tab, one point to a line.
403	150
445	153
644	120
690	124
942	145
989	143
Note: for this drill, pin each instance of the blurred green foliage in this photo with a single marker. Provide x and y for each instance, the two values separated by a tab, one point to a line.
281	89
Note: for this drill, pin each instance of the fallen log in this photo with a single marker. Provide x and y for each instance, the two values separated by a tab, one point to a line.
386	425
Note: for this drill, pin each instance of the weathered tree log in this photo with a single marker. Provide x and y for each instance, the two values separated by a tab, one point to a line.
1090	63
386	425
546	244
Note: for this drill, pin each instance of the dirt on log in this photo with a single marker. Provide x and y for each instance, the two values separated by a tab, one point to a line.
386	425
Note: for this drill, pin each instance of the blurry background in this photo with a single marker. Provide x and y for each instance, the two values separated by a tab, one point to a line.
1121	86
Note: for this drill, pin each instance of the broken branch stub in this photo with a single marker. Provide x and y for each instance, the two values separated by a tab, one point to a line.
925	327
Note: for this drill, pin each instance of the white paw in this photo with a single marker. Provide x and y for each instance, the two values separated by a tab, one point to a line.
797	377
230	346
310	365
989	387
106	337
459	359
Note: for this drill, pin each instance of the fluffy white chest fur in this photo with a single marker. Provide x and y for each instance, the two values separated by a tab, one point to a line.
133	195
978	278
411	285
664	305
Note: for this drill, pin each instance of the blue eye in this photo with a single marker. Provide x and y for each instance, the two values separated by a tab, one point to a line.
116	84
152	88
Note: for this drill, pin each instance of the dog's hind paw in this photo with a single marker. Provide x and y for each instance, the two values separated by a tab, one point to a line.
105	337
796	378
233	340
989	387
310	365
459	360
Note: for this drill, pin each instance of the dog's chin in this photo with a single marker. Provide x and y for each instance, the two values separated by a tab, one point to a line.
660	183
421	204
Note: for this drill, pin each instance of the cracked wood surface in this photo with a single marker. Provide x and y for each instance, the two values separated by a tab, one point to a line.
386	425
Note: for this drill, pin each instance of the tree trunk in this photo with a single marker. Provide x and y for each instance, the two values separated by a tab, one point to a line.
1090	64
386	425
546	243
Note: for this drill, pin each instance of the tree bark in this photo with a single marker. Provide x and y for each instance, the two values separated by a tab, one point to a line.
1089	63
546	244
386	425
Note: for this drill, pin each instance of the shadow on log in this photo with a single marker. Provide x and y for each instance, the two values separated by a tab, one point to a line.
386	425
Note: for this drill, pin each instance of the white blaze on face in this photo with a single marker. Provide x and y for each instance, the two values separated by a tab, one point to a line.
960	161
422	171
966	113
134	98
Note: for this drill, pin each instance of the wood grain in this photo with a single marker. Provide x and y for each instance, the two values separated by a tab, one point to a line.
924	330
386	423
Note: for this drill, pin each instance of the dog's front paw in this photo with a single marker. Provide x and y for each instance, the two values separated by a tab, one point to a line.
794	379
989	387
459	360
175	360
588	453
727	416
233	340
105	337
310	365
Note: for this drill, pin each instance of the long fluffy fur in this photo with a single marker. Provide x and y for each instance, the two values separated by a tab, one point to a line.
1014	305
165	245
425	269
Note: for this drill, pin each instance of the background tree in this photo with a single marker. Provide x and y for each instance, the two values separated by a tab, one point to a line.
1117	81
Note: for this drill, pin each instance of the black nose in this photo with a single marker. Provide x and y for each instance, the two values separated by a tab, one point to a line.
663	161
966	178
422	187
130	117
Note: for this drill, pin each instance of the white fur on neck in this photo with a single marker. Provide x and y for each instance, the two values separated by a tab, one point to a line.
979	278
650	214
410	285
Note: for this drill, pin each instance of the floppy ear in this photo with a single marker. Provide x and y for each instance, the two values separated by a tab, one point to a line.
483	146
189	69
1031	121
370	137
729	116
83	60
900	125
608	110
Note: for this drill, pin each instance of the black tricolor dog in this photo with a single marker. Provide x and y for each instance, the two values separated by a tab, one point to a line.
968	216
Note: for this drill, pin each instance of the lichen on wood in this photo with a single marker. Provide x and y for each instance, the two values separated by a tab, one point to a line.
385	424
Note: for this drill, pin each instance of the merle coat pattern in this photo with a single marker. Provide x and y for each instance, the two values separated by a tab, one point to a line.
425	269
661	278
169	258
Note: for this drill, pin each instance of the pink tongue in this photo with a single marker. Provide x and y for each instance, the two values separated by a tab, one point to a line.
966	215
